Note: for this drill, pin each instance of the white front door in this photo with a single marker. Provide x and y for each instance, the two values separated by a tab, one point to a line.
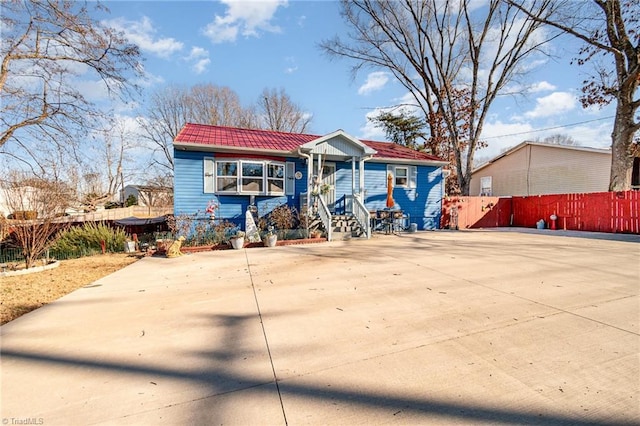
329	182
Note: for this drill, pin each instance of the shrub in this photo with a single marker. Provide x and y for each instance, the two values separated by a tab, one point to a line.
112	205
282	217
131	201
199	231
89	236
289	223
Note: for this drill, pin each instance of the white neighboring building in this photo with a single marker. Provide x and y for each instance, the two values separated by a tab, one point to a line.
535	168
148	195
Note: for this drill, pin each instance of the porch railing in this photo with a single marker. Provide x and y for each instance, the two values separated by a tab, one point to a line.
325	216
362	215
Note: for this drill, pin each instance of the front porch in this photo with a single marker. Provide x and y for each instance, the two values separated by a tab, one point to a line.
333	188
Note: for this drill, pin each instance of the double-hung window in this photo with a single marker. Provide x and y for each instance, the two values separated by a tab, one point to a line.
251	177
275	178
403	176
485	186
227	176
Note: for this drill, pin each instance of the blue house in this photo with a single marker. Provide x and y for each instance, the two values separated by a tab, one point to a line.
334	174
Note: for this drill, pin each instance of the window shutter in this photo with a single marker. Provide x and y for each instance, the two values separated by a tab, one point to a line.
390	170
413	177
209	175
290	180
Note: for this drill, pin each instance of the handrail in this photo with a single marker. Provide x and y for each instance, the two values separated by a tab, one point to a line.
325	216
362	215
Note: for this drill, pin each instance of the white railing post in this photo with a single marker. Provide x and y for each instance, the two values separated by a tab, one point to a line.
362	215
325	216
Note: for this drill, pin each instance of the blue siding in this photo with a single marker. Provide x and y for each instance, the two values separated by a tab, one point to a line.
423	203
188	191
190	198
343	185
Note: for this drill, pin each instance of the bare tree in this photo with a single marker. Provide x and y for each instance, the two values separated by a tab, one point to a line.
280	113
609	30
440	51
99	172
36	206
560	139
155	196
47	48
219	106
171	107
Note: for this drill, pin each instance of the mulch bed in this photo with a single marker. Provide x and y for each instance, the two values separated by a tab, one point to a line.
247	245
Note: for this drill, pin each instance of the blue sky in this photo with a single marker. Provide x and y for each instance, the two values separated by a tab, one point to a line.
249	46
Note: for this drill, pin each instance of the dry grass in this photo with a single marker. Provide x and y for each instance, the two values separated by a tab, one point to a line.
24	293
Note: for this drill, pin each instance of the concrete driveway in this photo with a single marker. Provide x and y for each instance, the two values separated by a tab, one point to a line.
464	327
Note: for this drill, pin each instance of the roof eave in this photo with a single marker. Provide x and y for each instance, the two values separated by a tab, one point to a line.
186	146
540	144
366	149
410	161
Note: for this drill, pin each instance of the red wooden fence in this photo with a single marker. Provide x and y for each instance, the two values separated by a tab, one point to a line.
616	212
475	212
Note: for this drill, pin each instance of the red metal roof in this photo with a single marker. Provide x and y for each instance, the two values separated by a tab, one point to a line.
228	137
393	150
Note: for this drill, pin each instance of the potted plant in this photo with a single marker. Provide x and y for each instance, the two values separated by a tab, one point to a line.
271	238
236	238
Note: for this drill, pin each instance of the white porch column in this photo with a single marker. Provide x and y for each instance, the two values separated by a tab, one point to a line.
353	176
361	171
309	177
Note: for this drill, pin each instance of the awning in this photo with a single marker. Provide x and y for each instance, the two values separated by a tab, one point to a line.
136	221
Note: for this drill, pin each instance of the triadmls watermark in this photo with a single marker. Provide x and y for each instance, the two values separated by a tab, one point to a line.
22	421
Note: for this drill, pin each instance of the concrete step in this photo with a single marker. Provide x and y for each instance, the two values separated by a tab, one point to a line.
344	227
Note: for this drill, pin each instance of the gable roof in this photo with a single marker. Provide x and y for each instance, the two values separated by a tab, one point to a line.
199	136
543	144
338	142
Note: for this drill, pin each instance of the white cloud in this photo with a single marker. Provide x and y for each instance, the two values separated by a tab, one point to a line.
142	33
369	131
553	104
541	86
148	79
593	135
375	81
408	104
500	136
243	18
92	90
200	59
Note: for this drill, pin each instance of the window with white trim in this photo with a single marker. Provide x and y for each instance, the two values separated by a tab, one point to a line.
252	177
275	178
485	186
403	176
227	176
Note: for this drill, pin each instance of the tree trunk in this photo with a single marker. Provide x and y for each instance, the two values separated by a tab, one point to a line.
622	152
464	182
